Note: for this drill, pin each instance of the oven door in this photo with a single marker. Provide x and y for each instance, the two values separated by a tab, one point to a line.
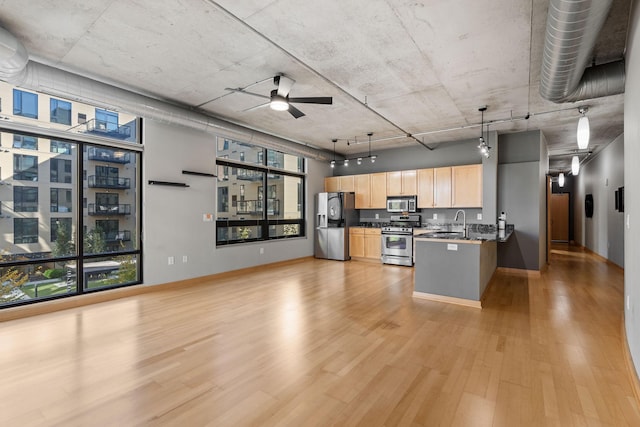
397	249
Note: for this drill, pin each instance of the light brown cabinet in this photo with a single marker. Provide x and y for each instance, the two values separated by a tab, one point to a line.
370	191
365	242
402	183
466	186
339	183
442	187
425	188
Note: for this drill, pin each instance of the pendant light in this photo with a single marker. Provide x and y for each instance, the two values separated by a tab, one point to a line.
333	162
575	166
561	179
374	157
483	146
583	129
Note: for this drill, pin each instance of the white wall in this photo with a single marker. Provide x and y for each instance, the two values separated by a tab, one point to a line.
632	189
601	176
173	217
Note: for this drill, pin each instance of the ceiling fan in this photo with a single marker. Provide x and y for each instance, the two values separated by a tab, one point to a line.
279	99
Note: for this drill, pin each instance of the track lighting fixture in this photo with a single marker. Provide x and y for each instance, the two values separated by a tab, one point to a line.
359	159
346	162
583	129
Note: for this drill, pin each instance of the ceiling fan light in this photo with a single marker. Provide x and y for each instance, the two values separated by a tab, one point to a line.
279	103
561	179
575	166
583	132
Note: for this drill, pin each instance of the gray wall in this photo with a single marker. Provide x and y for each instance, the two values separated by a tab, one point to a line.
632	189
522	165
172	217
601	176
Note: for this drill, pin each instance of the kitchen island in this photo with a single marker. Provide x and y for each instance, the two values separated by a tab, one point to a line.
453	268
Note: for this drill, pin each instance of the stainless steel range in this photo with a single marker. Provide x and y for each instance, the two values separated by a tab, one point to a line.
397	239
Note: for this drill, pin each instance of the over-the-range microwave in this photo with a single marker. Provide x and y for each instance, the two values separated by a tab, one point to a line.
398	204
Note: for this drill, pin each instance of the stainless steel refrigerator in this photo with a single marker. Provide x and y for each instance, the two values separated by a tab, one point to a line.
335	213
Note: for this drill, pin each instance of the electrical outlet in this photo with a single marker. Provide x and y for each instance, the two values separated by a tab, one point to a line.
261	251
479	217
377	216
184	258
628	302
435	216
171	260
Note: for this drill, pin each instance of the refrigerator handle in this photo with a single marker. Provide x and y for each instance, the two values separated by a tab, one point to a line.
322	223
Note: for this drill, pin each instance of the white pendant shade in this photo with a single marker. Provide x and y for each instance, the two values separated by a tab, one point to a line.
575	165
561	179
583	133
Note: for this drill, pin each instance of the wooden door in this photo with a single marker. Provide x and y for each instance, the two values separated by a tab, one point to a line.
560	217
332	184
409	183
442	187
466	184
394	183
378	190
346	183
362	185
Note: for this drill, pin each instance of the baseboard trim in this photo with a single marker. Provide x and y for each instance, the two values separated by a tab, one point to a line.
633	374
600	257
450	300
518	271
45	307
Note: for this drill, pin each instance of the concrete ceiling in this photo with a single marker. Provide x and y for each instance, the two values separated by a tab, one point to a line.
393	67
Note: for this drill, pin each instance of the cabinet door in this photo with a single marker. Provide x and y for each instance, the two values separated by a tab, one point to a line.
362	184
346	183
442	187
409	183
466	184
372	243
378	189
356	242
332	184
425	188
394	183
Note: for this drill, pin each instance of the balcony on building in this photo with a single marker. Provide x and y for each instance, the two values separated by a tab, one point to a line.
109	156
109	182
108	210
255	207
110	130
250	175
117	236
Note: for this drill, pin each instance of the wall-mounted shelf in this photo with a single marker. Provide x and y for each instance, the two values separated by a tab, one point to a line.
208	175
168	183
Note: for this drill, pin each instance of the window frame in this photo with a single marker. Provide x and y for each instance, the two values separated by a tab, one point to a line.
19	102
58	104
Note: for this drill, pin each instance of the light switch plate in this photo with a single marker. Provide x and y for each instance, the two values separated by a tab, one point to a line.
452	247
435	216
479	217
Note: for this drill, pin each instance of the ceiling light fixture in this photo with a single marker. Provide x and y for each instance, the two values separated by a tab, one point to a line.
374	157
333	162
575	165
278	102
483	146
583	129
561	179
346	162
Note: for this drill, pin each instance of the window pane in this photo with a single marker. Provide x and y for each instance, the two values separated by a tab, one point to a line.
25	168
284	161
110	271
284	230
238	233
61	200
25	104
60	111
35	281
60	147
25	230
111	216
25	199
284	197
25	142
241	151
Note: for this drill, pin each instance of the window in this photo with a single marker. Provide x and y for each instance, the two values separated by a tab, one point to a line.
25	199
60	111
25	230
60	170
61	227
60	147
106	121
82	118
264	204
61	200
25	168
25	104
25	142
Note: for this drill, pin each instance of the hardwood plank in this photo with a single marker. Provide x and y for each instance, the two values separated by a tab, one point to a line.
317	342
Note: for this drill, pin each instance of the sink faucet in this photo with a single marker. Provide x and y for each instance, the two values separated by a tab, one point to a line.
464	221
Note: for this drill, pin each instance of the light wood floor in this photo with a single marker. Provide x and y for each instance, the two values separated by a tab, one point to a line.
322	343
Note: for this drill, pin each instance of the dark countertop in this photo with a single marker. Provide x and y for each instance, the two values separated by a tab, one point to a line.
476	233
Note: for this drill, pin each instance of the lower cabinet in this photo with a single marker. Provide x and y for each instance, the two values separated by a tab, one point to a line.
365	243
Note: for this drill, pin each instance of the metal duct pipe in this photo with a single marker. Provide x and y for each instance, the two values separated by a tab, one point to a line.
572	29
16	69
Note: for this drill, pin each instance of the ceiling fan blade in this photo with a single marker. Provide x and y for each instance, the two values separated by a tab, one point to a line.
284	84
256	107
295	112
313	100
239	90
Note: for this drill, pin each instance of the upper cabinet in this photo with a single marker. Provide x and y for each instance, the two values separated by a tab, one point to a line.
402	183
334	184
425	188
466	186
442	187
371	190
